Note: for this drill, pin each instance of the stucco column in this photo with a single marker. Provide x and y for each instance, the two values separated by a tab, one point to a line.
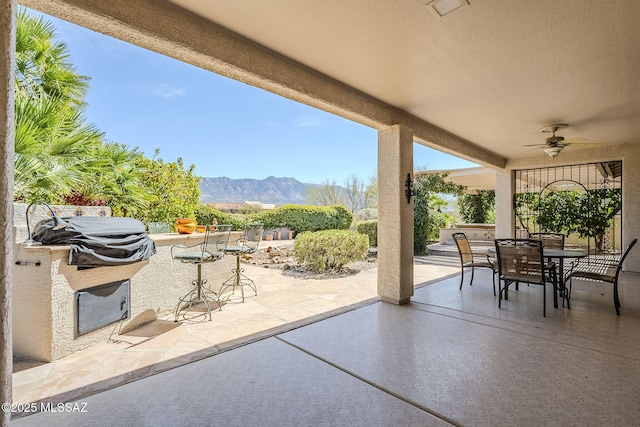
505	216
631	205
7	58
395	215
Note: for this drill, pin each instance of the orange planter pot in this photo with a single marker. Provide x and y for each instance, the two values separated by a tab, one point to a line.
185	225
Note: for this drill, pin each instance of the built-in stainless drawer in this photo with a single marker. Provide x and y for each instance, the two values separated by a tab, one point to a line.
102	305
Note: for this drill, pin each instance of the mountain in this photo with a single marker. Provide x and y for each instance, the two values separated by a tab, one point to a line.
279	191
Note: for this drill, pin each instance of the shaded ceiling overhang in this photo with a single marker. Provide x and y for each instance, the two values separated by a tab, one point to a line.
474	179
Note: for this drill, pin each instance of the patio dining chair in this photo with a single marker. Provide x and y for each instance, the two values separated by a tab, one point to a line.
211	249
603	272
549	240
521	261
469	260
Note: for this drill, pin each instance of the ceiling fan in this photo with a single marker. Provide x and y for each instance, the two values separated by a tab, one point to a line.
556	143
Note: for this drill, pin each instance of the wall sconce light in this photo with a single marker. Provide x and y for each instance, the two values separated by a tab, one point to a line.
409	191
59	224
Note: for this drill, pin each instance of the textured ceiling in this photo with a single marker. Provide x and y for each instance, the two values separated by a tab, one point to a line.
493	72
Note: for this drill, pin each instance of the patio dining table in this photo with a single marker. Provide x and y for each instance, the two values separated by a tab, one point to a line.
560	255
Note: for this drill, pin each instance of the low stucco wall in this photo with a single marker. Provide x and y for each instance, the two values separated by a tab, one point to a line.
44	294
475	232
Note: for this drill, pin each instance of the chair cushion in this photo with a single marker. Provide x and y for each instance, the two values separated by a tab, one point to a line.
485	264
196	257
593	275
239	249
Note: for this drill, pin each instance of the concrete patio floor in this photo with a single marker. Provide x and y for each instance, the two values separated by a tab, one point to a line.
283	303
449	357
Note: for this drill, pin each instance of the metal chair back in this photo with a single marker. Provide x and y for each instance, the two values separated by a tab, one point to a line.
215	242
549	240
464	248
520	260
252	236
212	248
249	241
610	274
626	252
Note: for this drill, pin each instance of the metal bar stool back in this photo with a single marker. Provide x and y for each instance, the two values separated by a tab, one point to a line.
247	244
211	249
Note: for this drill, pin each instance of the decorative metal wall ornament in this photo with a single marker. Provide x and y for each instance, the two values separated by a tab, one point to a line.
409	191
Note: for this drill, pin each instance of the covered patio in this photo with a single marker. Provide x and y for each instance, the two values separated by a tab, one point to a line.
449	357
477	83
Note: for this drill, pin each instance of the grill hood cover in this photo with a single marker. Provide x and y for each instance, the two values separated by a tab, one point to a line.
98	241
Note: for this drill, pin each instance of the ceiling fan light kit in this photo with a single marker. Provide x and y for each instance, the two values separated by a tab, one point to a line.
554	151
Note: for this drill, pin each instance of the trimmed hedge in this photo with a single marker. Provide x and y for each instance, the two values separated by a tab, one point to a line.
330	249
370	228
306	218
205	214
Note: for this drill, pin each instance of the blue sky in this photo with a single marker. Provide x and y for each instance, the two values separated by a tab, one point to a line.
224	127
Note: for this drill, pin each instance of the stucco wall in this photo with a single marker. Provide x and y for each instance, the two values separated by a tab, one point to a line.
486	234
631	203
7	140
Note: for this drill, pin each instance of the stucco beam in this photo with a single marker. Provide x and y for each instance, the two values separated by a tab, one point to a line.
161	27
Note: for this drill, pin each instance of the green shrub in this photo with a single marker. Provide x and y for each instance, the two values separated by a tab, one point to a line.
270	219
343	217
370	228
297	218
306	218
205	214
330	249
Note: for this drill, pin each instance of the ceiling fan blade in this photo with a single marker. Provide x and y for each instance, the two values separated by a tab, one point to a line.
534	145
530	151
575	141
574	145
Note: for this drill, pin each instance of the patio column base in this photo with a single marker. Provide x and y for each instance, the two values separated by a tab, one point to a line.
395	301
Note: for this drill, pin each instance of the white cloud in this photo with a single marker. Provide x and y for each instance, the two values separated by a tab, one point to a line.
307	120
167	91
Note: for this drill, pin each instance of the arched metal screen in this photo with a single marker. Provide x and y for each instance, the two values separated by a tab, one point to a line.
582	201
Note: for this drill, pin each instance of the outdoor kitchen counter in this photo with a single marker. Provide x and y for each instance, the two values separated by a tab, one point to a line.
45	285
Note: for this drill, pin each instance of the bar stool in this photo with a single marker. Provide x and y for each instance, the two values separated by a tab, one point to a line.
211	249
246	244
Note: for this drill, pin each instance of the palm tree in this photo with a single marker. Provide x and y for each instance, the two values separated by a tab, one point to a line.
52	140
51	146
59	156
119	178
42	65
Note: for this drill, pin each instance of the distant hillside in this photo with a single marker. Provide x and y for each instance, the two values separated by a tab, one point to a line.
279	191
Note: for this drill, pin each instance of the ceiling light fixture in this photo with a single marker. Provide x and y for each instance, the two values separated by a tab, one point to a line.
554	151
443	7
